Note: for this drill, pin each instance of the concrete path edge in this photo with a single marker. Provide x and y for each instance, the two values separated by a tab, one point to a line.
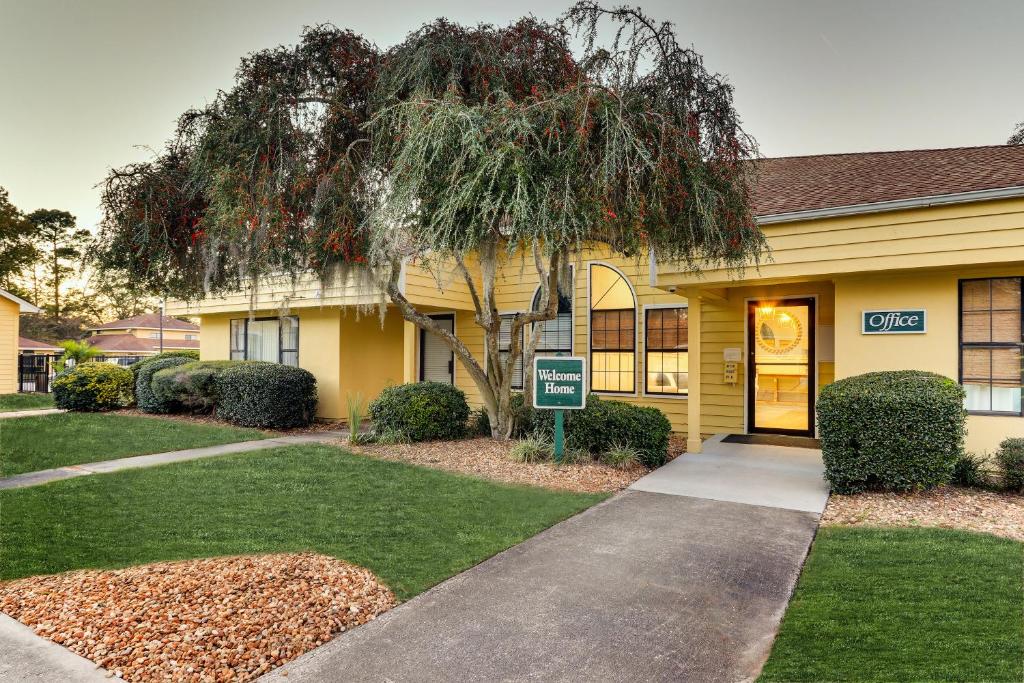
30	657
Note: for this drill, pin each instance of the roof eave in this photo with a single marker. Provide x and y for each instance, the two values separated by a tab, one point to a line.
893	205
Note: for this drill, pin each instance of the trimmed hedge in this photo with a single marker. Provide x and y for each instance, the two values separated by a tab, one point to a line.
1010	457
421	411
261	394
193	386
605	425
145	398
92	387
896	430
138	365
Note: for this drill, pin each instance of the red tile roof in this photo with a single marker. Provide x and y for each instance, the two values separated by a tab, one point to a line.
788	184
127	342
147	321
26	344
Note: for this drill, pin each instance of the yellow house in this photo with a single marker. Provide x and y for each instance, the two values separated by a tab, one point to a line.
143	335
889	260
11	307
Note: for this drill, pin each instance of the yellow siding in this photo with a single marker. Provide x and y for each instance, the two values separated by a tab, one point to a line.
516	286
9	312
936	351
990	232
724	326
371	355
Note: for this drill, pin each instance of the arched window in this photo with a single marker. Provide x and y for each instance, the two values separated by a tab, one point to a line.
612	331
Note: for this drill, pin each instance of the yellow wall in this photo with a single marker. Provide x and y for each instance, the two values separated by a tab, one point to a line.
346	353
723	325
990	232
9	312
936	351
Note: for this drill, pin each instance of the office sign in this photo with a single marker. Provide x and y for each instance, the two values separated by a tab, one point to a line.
559	382
909	321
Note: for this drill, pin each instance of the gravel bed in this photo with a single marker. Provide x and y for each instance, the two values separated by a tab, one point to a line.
219	619
1001	514
489	459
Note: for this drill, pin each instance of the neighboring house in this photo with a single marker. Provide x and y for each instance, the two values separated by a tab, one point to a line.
11	307
31	347
140	336
880	261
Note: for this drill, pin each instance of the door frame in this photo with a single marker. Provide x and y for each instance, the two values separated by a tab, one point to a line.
812	363
422	353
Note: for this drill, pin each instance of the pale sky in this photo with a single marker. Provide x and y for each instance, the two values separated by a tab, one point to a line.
84	84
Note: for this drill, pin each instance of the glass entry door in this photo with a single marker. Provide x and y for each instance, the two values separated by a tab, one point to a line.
780	367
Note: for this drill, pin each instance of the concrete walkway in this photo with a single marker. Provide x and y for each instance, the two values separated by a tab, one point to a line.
773	476
29	413
661	586
134	462
28	657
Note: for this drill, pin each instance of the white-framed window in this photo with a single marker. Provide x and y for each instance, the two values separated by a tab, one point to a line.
992	345
269	339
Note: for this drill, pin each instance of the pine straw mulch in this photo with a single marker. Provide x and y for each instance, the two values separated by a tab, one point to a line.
948	507
218	619
489	459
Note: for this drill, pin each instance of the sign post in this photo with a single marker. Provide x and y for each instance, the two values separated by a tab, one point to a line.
559	384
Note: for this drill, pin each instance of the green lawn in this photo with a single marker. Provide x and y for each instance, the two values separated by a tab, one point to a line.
412	526
44	441
11	402
904	605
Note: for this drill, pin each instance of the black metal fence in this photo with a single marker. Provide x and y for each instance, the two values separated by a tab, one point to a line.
36	371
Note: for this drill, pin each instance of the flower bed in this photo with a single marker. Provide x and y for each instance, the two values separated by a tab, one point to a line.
489	459
229	618
1001	514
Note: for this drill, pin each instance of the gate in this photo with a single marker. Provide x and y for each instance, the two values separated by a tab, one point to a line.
35	372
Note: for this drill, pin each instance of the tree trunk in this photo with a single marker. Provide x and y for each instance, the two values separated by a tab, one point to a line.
494	381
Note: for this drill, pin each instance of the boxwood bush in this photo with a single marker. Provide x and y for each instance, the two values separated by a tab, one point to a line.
93	387
1010	457
192	386
138	365
261	394
421	411
146	400
896	430
606	425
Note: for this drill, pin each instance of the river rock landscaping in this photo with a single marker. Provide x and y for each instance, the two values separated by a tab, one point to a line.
219	619
947	507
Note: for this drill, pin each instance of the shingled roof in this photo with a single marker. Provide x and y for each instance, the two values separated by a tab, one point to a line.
792	184
146	321
127	342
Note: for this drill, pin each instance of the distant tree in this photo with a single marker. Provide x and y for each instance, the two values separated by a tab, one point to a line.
45	328
1018	135
461	145
60	244
17	250
113	295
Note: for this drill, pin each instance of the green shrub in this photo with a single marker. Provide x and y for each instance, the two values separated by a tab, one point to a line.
423	411
1010	458
145	398
523	419
92	387
260	394
603	425
479	423
191	386
137	366
391	438
532	449
895	430
969	471
622	457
